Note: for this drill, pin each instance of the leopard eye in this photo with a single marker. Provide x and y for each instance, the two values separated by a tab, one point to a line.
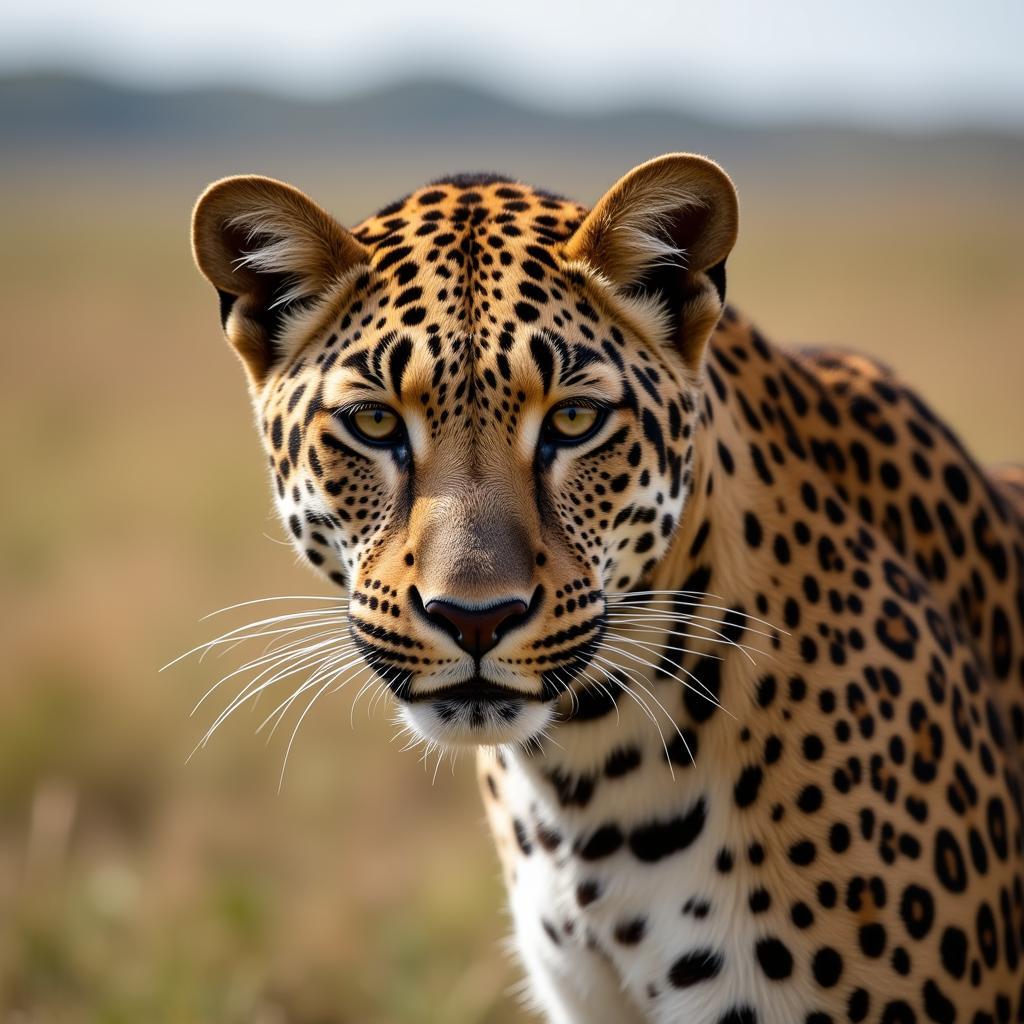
375	424
573	421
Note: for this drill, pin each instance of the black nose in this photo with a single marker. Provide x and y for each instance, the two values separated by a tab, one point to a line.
476	630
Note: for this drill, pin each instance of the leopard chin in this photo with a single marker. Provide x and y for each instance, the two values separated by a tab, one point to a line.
466	721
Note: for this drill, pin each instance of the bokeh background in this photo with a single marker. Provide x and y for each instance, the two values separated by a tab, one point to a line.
878	149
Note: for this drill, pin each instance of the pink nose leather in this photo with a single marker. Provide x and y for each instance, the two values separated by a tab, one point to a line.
476	630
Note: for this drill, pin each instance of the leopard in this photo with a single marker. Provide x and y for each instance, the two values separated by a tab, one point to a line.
734	631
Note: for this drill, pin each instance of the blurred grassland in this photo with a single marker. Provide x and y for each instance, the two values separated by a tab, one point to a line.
136	888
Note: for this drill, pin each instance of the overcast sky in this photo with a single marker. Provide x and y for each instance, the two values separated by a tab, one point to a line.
897	61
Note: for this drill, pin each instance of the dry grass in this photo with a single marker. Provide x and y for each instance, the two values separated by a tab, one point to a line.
136	888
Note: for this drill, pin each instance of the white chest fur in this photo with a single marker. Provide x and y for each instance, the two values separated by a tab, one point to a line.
629	875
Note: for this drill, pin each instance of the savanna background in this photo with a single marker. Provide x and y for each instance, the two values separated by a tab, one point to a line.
879	154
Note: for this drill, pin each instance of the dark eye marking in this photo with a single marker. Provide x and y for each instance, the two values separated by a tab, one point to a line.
335	444
620	435
399	358
652	431
359	361
545	360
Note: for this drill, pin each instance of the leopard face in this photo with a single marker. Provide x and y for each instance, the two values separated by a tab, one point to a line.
478	410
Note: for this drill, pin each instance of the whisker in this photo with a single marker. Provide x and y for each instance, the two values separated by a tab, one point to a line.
280	656
330	669
295	655
666	647
604	689
362	689
249	692
685	618
702	692
295	731
635	626
383	690
279	597
236	634
643	706
646	603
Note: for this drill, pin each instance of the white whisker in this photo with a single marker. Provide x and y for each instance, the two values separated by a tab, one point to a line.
702	692
636	626
280	597
684	618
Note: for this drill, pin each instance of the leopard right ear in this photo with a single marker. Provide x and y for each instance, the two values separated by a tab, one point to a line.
663	233
270	252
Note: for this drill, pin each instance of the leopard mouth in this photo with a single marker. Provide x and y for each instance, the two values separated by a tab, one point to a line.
476	711
476	690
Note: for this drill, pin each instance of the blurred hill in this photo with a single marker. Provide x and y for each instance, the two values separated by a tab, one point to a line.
49	113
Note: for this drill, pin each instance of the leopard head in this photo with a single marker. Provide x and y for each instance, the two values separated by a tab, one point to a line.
478	407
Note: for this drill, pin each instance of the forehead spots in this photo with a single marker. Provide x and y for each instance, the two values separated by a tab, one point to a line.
468	317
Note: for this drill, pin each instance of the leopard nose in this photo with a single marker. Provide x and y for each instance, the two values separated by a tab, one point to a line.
475	630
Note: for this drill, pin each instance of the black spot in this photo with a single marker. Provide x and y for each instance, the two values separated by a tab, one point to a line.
839	837
997	834
739	1015
813	747
802	852
603	843
545	360
936	1005
766	689
701	701
872	939
398	360
956	482
749	782
660	839
629	933
801	915
810	799
953	949
621	761
949	861
858	1005
988	936
521	838
898	1012
759	901
695	967
775	959
827	967
917	908
752	529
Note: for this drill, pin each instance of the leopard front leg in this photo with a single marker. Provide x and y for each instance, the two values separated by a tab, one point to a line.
569	979
568	982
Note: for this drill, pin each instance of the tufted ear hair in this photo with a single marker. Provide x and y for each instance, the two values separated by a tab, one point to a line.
271	253
663	233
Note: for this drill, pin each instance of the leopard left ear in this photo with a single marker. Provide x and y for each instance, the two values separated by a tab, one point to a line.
270	251
663	232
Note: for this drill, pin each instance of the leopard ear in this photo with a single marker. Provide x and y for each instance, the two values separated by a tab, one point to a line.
663	233
271	253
